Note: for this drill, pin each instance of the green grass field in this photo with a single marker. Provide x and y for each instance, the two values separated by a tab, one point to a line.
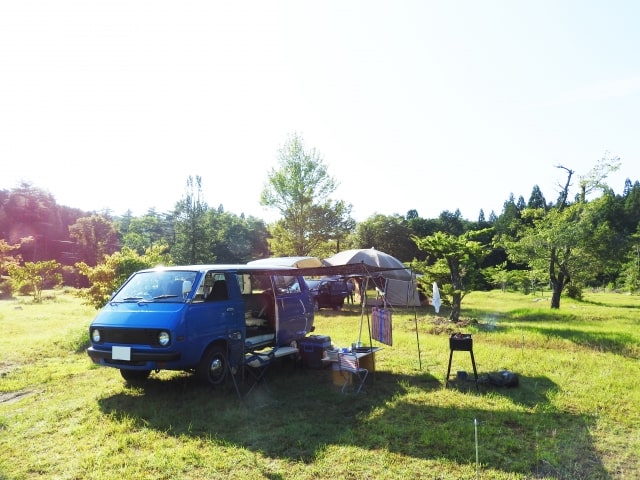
574	414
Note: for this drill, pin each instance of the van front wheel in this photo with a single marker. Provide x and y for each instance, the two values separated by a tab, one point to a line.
213	366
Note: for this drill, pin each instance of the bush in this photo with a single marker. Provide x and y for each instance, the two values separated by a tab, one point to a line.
574	291
6	290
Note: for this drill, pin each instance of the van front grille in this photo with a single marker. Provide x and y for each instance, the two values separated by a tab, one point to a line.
130	336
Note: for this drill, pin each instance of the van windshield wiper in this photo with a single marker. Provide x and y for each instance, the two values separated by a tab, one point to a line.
132	299
166	295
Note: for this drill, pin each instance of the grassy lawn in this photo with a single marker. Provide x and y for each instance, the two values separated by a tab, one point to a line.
574	415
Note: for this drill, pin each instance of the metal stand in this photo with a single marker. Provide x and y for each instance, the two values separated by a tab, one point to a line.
465	345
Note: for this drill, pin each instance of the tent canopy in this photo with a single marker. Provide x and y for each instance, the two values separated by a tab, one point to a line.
400	285
372	258
299	262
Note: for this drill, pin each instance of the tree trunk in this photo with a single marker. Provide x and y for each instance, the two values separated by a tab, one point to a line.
555	295
456	283
558	279
455	307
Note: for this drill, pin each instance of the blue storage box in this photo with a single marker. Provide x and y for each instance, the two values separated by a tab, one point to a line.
312	350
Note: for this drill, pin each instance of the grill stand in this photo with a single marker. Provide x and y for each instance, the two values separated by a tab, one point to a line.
462	344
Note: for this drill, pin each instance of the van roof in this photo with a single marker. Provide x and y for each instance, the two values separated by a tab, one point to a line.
223	267
359	269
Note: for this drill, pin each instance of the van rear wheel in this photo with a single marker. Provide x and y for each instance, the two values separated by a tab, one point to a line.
212	368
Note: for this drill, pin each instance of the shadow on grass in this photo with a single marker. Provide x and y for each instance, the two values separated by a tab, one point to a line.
633	306
297	414
531	392
624	344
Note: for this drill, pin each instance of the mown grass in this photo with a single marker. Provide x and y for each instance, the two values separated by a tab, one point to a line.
574	414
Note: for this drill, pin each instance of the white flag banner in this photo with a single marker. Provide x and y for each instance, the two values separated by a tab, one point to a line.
435	301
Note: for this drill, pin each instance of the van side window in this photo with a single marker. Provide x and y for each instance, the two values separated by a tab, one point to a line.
212	288
257	292
286	284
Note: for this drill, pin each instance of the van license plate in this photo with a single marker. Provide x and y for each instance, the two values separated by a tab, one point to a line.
121	353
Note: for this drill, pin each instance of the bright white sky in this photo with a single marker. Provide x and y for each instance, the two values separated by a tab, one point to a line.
426	105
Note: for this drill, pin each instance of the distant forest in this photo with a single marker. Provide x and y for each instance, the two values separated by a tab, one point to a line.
40	229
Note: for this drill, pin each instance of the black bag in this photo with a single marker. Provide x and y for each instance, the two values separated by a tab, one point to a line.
503	378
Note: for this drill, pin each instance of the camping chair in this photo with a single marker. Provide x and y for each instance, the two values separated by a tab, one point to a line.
235	359
349	363
218	291
247	368
243	364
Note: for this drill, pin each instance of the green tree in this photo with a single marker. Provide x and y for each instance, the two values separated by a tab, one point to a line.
499	276
300	189
632	206
235	239
143	232
35	276
106	277
509	220
630	273
462	255
95	236
571	241
387	233
192	230
8	256
536	199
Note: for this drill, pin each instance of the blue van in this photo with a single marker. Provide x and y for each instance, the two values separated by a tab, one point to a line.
186	317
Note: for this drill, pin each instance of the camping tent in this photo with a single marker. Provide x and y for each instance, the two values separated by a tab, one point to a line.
400	292
400	286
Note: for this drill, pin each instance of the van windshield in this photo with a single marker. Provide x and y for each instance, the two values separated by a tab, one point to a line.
152	286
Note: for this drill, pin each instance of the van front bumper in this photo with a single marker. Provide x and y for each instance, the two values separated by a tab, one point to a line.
105	355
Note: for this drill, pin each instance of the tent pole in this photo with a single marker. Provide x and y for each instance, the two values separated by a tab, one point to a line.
363	304
415	316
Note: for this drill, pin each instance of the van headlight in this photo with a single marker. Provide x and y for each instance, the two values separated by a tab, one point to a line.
164	338
95	335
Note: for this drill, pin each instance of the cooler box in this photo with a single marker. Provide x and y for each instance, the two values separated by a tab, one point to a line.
312	350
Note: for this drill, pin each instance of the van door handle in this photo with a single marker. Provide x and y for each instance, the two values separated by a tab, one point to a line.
231	309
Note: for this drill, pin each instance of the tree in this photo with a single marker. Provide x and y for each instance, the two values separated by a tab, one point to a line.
139	233
509	219
462	255
594	179
192	232
7	257
570	241
96	236
300	189
30	216
536	199
499	276
630	274
35	276
234	239
632	206
387	233
106	277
